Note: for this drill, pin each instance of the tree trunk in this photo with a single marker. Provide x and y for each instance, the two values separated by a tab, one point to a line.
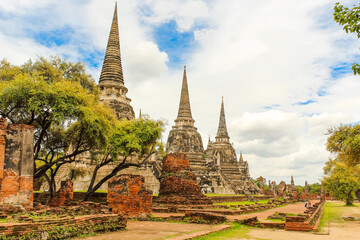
87	195
349	199
117	169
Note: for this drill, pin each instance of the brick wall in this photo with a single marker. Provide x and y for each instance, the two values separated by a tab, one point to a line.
178	185
306	222
16	163
127	195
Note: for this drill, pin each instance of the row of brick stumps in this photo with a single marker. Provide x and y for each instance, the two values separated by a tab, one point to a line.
127	195
306	222
178	185
16	163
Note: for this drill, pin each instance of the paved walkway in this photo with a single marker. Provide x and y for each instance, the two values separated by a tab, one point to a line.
292	208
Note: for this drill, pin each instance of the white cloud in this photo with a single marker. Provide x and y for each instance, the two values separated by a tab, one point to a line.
255	53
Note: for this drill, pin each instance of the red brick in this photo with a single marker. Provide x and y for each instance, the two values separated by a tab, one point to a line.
64	196
178	185
128	196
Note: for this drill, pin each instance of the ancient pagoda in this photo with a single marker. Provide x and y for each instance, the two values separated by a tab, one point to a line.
184	137
222	148
111	83
235	173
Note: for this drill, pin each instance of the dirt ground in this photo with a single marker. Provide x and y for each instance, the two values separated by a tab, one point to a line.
139	230
292	208
336	231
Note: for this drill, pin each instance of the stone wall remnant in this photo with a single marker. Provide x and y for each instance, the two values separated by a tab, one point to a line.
178	185
64	196
16	163
128	196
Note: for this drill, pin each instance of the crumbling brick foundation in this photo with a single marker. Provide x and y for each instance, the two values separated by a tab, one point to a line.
127	195
16	163
178	185
64	196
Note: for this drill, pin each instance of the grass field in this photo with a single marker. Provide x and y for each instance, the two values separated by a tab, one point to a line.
333	212
236	232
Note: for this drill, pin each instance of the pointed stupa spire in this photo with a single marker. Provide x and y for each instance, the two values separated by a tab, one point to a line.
292	180
222	130
112	69
140	115
184	106
241	159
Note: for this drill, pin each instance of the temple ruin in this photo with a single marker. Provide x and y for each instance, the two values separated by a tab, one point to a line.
16	163
216	168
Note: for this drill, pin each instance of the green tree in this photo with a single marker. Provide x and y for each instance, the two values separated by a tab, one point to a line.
344	143
61	101
132	143
314	188
341	180
342	175
350	19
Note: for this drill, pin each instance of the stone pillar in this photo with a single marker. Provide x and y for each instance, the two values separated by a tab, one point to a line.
262	185
306	188
273	187
322	197
128	196
3	124
16	163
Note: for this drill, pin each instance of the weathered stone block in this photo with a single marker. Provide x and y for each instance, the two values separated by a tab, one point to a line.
178	184
128	196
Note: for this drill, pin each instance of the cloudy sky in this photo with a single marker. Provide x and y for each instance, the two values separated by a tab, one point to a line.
283	66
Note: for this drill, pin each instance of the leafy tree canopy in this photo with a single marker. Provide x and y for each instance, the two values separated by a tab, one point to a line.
344	143
342	172
131	145
350	19
61	101
342	181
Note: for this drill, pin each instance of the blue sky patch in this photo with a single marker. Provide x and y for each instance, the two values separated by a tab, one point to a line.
93	59
340	70
305	103
174	43
272	106
56	37
322	92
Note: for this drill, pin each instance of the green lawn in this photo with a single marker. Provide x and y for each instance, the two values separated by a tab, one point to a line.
236	232
333	212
